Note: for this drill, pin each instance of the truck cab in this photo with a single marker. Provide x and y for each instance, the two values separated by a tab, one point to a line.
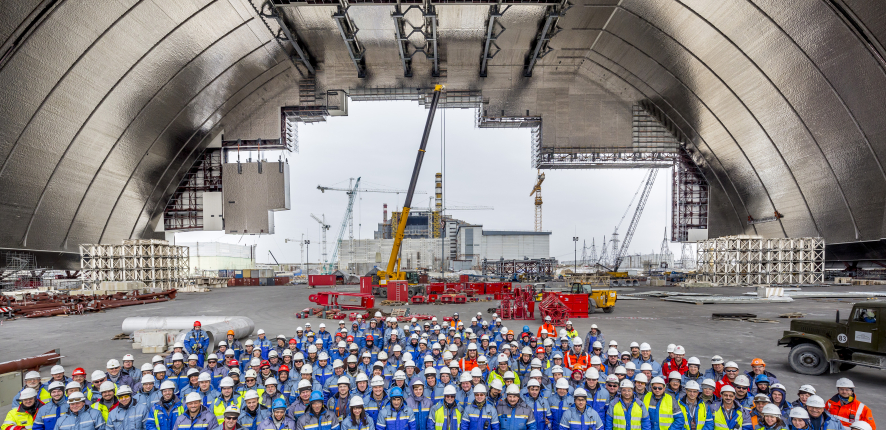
819	347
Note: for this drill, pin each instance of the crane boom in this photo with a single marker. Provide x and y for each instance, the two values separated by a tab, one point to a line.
394	260
344	222
647	188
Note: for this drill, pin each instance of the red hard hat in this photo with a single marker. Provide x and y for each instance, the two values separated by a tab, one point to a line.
293	340
265	363
369	337
235	363
524	334
350	338
79	371
197	324
533	339
284	368
540	350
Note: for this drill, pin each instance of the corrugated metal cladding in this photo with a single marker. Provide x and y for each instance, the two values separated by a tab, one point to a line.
515	245
107	104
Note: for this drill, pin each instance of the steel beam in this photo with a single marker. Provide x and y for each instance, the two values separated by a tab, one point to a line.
348	32
547	32
495	11
402	41
430	16
290	37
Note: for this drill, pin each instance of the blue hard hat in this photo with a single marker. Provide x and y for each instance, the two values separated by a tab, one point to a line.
526	328
280	403
761	378
396	392
315	396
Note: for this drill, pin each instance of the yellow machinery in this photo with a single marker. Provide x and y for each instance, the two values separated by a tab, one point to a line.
603	298
392	272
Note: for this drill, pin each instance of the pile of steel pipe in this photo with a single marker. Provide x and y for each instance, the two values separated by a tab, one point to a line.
45	305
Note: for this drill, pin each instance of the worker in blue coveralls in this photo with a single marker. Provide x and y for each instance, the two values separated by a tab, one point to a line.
197	342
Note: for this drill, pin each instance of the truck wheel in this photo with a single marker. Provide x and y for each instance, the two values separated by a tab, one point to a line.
808	359
592	305
609	309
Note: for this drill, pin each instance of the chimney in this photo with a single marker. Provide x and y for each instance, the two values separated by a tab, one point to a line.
385	216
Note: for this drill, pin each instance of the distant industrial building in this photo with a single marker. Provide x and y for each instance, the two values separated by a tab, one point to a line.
216	255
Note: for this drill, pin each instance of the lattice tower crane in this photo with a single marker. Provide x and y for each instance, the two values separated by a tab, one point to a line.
323	228
644	196
537	191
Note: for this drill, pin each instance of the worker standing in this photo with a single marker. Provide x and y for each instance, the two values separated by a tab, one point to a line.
728	414
162	414
277	420
50	412
129	414
547	326
22	416
580	416
513	414
626	412
446	415
196	416
577	359
664	409
395	415
263	344
845	407
78	417
594	335
197	342
678	363
696	412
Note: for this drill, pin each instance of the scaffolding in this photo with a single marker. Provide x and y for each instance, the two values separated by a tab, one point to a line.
690	198
749	260
542	268
158	264
184	211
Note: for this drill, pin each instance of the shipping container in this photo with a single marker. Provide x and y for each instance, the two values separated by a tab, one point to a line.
397	291
435	288
366	284
281	280
238	274
314	280
247	273
463	278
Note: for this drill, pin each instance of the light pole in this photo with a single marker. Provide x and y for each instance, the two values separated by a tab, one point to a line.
575	252
308	258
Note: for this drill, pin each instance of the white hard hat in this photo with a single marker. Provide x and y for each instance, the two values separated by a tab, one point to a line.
612	351
260	331
514	389
147	367
731	364
580	392
471	347
815	401
465	377
502	358
352	359
167	385
612	378
742	381
526	350
107	386
56	370
449	390
771	409
716	359
148	379
250	374
671	347
27	393
193	372
307	369
693	360
860	425
727	389
75	397
113	363
562	383
496	383
595	360
634	345
178	344
476	372
641	378
204	377
194	356
344	380
533	383
445	371
480	389
709	382
658	380
679	350
448	355
645	366
248	342
626	383
96	375
226	382
75	385
361	378
675	375
799	413
645	347
576	342
630	366
845	383
251	394
613	343
417	381
178	357
377	381
806	388
123	390
620	370
556	369
692	385
535	363
304	383
596	344
508	375
271	354
592	373
535	373
356	401
36	375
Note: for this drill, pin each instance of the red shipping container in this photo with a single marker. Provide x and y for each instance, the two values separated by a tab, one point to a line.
281	280
577	304
366	284
463	278
454	287
477	287
397	291
314	280
435	288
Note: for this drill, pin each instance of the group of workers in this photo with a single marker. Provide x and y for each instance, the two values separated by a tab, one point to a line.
382	374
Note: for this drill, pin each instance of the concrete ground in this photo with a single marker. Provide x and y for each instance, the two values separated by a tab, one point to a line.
85	340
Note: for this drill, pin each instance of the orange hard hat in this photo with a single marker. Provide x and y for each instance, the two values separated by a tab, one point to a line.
231	332
510	331
758	362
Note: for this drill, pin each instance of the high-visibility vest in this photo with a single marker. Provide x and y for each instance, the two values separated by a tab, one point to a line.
219	405
665	409
18	418
440	417
720	422
700	418
619	422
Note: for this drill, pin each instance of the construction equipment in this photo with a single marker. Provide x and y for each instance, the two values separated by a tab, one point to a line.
537	191
632	227
597	299
819	347
348	220
323	228
392	272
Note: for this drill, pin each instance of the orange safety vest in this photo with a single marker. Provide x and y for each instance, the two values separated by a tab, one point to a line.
552	331
578	362
466	364
850	412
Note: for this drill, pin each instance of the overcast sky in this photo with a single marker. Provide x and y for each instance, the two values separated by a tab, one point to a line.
491	167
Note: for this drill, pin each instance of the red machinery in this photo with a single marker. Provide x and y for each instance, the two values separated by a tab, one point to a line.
518	304
314	280
397	291
563	306
350	301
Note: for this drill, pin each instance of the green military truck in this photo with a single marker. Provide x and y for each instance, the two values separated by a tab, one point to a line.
819	347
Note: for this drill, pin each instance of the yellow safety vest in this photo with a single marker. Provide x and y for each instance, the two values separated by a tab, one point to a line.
219	406
618	418
665	409
101	408
440	416
17	418
701	417
720	422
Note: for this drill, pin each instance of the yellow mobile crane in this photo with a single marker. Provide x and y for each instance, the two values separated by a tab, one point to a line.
393	273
